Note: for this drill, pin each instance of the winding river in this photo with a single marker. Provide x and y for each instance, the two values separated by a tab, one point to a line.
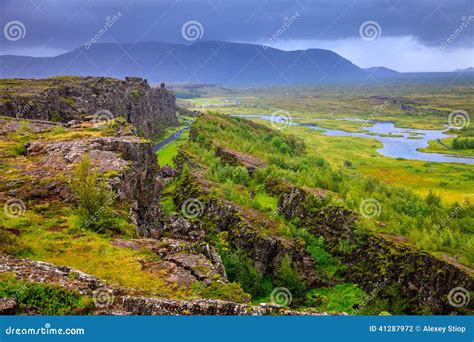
404	142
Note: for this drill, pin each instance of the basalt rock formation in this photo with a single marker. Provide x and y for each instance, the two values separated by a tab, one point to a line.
245	229
422	279
63	99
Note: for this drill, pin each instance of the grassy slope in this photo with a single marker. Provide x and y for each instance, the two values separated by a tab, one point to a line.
403	212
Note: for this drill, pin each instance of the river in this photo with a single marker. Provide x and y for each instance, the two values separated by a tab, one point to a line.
401	145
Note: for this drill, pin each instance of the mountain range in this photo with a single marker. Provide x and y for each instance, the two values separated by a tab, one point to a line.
204	62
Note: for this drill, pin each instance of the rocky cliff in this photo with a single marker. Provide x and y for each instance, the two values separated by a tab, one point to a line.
62	99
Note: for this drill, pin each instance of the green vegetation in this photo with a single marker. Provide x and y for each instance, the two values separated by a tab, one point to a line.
47	299
231	292
425	107
168	152
402	211
135	94
240	268
287	275
94	199
343	297
462	144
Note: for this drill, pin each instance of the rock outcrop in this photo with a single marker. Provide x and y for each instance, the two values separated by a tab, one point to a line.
181	262
250	233
131	158
115	300
63	99
422	279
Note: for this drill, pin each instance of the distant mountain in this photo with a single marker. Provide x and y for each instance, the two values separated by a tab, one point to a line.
381	71
470	69
220	63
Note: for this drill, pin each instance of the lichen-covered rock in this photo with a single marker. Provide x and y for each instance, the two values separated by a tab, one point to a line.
236	158
8	306
47	273
181	262
180	228
203	307
74	98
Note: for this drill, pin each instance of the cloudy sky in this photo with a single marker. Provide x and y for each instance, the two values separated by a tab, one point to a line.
406	35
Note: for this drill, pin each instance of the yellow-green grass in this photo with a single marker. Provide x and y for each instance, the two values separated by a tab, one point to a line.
50	234
436	147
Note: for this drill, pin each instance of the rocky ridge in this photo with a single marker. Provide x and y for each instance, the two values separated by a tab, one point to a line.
63	99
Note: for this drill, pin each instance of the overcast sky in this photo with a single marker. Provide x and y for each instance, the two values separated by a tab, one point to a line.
410	35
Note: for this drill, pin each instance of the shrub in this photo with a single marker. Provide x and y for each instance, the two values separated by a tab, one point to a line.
240	268
289	277
93	197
